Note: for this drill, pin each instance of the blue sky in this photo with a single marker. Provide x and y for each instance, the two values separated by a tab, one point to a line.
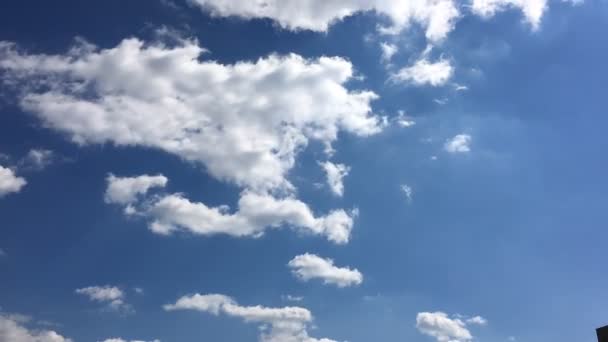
225	170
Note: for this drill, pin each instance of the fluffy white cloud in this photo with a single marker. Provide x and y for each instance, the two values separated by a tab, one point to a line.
110	295
287	324
310	266
37	159
443	328
245	122
532	9
438	17
335	173
477	320
425	72
124	190
257	212
13	330
9	182
458	144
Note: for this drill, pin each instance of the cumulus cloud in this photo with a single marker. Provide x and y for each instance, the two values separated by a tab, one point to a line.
335	174
310	266
245	122
112	296
257	212
445	329
408	191
437	17
460	143
286	324
124	190
9	182
425	72
12	329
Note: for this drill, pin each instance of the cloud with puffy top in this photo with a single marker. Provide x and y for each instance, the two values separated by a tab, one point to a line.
460	143
111	296
445	329
9	182
12	329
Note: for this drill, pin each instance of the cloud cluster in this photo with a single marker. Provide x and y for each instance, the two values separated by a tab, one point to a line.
13	330
112	296
445	329
256	212
425	72
244	122
9	182
437	17
310	266
286	324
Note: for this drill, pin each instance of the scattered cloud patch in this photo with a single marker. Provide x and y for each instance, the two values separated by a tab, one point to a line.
335	174
477	320
424	72
443	328
37	159
118	339
277	324
460	143
13	329
533	10
403	120
291	298
310	266
9	182
111	296
408	191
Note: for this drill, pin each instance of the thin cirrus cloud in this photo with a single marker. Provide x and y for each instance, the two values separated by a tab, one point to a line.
257	212
111	296
277	324
445	329
309	266
12	329
9	182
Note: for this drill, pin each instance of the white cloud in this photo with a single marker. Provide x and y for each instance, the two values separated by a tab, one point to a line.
408	191
13	330
335	174
477	320
245	122
112	296
403	120
9	182
310	266
257	212
388	51
424	72
533	10
442	328
118	339
37	159
287	324
437	17
124	190
292	298
458	144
